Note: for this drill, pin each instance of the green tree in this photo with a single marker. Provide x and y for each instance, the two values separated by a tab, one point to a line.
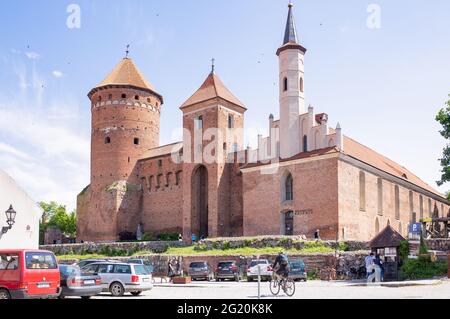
56	215
443	118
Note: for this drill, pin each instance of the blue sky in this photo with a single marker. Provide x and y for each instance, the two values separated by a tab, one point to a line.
383	85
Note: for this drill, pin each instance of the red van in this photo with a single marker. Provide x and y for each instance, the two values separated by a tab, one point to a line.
28	274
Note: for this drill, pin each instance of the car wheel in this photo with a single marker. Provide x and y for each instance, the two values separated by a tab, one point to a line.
86	297
4	294
117	289
136	293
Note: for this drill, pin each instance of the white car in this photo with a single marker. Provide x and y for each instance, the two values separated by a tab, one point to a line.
266	270
119	278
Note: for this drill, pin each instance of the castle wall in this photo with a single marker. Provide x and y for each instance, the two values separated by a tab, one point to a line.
315	198
162	200
356	223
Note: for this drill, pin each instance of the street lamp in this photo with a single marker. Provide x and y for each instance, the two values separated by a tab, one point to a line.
10	219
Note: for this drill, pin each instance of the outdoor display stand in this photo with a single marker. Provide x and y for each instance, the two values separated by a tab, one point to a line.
386	244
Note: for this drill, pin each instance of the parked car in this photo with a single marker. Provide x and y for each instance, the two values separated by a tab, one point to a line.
266	270
120	278
148	265
76	283
86	262
28	274
228	270
201	270
297	270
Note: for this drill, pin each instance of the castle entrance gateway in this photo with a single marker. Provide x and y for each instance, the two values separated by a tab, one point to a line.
199	209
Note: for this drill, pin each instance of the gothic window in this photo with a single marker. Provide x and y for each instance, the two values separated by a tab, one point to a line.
301	85
230	121
136	141
108	140
144	183
430	208
305	143
224	146
397	202
199	123
362	191
159	163
159	181
411	204
288	188
285	84
421	206
380	196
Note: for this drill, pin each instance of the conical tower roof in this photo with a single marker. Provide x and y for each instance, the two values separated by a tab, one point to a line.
290	35
212	88
126	73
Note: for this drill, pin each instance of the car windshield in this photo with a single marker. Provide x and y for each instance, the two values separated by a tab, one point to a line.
225	264
141	270
297	264
40	260
70	270
258	262
198	265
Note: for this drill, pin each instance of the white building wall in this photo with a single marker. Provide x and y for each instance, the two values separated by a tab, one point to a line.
25	232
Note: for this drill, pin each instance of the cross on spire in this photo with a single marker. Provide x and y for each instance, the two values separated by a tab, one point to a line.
213	66
127	52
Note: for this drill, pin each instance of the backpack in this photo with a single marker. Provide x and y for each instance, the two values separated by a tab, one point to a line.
284	261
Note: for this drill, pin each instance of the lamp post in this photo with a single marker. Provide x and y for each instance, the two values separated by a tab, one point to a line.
10	219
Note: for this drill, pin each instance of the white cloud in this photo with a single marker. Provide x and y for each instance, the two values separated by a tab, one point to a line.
57	74
33	55
15	152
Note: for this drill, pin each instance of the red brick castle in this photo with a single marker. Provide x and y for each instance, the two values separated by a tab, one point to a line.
304	176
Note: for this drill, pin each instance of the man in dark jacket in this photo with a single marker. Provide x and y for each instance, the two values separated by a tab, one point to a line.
281	265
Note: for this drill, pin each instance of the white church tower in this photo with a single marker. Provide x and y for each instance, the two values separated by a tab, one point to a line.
292	100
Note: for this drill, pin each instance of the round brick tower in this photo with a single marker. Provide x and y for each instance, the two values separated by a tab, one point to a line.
125	124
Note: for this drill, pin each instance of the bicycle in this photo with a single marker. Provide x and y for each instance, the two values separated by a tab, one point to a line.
287	284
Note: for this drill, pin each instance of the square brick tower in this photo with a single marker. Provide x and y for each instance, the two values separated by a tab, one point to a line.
213	121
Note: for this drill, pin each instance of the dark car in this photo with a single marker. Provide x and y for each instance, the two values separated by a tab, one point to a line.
76	283
297	270
228	270
201	270
147	265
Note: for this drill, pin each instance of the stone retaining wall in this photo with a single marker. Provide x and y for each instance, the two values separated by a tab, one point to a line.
103	248
348	265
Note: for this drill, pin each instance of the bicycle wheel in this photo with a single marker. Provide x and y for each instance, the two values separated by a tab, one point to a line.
289	287
274	287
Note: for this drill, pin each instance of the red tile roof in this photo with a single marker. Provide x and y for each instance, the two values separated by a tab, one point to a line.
212	87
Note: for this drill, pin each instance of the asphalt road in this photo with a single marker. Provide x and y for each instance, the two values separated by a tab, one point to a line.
309	290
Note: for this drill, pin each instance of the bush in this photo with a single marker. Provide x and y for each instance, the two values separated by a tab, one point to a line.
423	268
423	250
312	275
168	237
404	251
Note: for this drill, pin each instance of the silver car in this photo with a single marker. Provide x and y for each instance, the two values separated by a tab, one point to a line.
120	278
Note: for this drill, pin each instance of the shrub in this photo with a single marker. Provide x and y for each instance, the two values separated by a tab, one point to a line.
168	237
423	250
343	246
312	275
423	268
404	250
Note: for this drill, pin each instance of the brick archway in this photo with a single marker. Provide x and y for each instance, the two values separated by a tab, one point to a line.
199	206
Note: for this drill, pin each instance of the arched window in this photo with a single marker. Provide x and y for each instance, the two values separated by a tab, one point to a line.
397	202
305	143
301	85
285	84
169	178
380	196
362	191
107	140
289	188
230	121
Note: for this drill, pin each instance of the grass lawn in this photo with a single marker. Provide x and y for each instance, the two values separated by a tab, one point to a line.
190	251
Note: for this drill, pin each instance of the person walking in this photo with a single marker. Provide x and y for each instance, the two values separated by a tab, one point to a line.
369	261
379	267
193	238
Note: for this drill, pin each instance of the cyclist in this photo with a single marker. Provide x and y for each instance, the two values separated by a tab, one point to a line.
281	266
